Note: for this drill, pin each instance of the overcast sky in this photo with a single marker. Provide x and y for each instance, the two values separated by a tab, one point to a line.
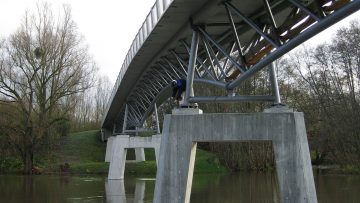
109	26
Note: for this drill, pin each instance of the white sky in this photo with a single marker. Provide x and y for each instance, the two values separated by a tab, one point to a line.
109	26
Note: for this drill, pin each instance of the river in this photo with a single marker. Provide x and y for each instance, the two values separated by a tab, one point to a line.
207	188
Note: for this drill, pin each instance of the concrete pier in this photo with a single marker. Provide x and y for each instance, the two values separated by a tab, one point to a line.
117	148
285	129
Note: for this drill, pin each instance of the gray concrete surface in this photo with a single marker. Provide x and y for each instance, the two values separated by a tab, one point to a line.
286	130
109	145
139	154
117	148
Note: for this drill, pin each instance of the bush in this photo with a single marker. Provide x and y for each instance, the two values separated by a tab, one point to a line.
11	164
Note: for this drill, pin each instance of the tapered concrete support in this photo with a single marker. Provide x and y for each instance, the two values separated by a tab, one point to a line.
118	158
139	154
285	129
156	140
117	149
109	148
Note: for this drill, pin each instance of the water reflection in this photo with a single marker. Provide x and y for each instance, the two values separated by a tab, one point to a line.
115	191
239	187
337	187
35	189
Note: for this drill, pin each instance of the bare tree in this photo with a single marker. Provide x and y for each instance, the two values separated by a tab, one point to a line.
91	105
102	96
43	65
328	78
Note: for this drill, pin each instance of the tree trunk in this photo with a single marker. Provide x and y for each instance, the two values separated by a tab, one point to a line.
28	161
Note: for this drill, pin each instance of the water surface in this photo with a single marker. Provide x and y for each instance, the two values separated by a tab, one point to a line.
207	188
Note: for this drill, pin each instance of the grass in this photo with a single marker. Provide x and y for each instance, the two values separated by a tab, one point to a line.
79	153
84	153
82	147
206	162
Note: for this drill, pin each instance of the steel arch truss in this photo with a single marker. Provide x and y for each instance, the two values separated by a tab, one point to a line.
231	50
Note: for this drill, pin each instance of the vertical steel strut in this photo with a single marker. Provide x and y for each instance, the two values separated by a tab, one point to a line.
274	84
191	67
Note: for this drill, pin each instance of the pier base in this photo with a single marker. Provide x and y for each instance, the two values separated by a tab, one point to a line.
117	148
285	129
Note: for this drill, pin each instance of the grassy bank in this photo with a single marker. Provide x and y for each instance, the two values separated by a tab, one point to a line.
84	153
81	152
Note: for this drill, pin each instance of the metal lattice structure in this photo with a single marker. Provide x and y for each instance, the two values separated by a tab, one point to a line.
215	42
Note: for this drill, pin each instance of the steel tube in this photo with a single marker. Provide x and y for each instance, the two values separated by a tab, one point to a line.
226	99
221	49
208	55
303	8
211	82
274	84
138	131
191	67
200	62
272	20
305	35
252	24
237	40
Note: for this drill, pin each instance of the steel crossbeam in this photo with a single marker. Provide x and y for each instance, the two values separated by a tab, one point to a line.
234	42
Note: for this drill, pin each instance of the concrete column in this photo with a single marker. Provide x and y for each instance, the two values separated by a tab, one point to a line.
118	159
293	164
176	162
156	140
117	148
174	168
109	147
284	128
139	154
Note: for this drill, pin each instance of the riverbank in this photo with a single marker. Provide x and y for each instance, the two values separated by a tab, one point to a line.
84	153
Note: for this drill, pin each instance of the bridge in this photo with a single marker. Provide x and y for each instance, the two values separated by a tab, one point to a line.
215	42
220	43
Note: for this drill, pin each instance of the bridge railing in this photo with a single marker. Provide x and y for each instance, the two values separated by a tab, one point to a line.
156	12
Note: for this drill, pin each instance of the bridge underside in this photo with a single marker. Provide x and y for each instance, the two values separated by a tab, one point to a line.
234	40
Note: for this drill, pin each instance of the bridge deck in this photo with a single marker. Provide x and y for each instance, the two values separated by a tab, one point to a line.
159	52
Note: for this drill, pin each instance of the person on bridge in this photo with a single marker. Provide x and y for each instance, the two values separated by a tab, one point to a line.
179	87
